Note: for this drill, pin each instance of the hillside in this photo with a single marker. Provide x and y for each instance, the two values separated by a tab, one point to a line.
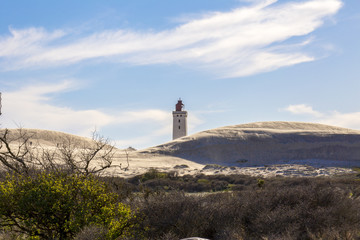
264	143
302	149
135	163
46	138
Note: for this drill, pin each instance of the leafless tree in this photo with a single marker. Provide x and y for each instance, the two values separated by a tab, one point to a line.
18	153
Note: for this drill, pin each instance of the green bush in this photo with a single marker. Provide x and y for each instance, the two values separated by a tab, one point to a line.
57	206
260	183
203	181
153	174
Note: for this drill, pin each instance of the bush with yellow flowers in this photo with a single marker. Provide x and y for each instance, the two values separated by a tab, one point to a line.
59	205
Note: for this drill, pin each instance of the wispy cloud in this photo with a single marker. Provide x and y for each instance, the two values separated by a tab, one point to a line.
335	118
31	107
349	120
302	109
244	41
34	107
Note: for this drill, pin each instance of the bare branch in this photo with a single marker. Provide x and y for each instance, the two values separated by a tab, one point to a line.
19	154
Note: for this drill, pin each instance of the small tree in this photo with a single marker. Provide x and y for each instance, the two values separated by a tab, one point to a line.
19	154
58	205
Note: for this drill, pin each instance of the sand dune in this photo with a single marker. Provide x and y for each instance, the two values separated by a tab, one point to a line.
263	149
46	138
268	143
126	162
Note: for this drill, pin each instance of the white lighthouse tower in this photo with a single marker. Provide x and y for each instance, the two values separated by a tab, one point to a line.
179	121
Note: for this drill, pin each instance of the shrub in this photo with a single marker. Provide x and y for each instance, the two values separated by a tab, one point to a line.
57	206
203	181
302	211
91	233
153	174
181	215
260	183
18	154
284	209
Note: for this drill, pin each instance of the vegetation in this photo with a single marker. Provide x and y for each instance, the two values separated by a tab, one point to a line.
58	205
281	208
244	207
55	194
19	154
60	195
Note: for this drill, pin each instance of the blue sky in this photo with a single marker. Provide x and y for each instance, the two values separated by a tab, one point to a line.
119	66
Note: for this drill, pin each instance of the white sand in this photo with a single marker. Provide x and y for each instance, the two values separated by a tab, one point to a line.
267	143
263	149
141	162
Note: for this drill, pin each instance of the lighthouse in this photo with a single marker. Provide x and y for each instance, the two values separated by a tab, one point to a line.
179	121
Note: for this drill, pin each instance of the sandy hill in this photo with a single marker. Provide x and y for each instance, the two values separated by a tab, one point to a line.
267	143
46	138
134	162
248	147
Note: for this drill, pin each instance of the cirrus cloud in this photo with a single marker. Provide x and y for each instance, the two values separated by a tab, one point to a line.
240	42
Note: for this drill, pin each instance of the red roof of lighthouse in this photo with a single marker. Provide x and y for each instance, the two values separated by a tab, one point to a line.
179	105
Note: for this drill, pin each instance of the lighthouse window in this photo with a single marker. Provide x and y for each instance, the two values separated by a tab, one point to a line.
179	127
179	120
177	115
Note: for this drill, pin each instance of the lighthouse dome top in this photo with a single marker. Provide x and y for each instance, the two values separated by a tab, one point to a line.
179	106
